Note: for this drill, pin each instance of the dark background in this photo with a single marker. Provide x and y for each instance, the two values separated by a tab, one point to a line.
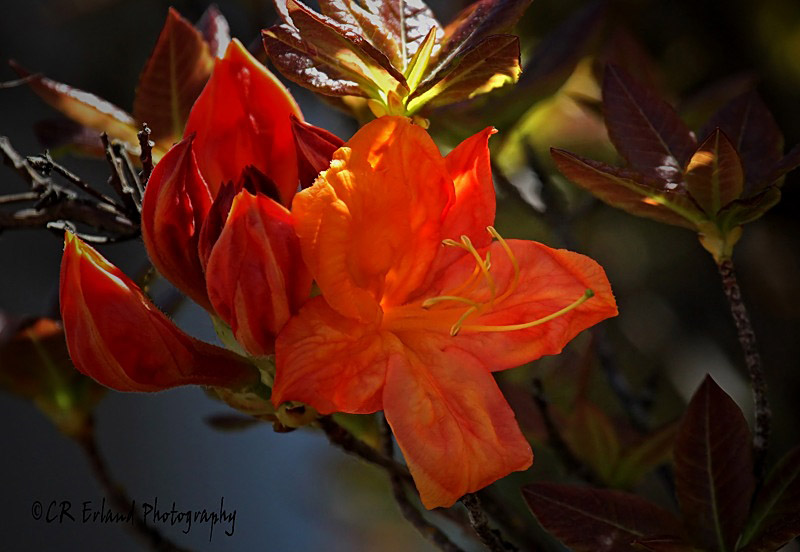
294	491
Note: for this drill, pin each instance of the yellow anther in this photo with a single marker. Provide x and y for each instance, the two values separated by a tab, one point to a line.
455	328
588	294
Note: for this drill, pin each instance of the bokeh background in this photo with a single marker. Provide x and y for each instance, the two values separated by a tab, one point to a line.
294	491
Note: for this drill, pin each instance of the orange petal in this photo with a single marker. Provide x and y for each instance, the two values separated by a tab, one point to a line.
116	336
452	423
550	279
333	363
256	276
242	118
369	227
176	202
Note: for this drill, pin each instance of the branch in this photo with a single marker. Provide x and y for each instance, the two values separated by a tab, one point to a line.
116	494
747	339
146	157
490	537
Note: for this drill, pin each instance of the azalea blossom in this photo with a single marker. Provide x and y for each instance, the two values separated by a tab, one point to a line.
422	300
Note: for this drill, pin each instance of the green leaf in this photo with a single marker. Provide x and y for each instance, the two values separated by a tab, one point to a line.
645	129
715	176
650	452
630	191
419	63
775	519
172	79
590	434
714	468
589	520
492	63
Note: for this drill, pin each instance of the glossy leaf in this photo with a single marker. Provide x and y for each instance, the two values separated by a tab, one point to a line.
83	107
650	452
172	78
590	434
215	30
588	520
408	23
714	468
365	22
490	64
715	176
752	130
775	518
628	190
645	129
315	147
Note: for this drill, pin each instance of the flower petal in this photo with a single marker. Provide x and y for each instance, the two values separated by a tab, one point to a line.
333	363
242	118
451	421
176	202
369	227
116	336
256	276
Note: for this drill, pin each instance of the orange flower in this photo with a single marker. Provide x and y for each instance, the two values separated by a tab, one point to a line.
116	336
414	325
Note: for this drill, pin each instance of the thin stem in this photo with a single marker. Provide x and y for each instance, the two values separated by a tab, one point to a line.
747	339
116	494
425	528
146	157
491	538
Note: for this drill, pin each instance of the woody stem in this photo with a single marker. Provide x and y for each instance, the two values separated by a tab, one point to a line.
747	339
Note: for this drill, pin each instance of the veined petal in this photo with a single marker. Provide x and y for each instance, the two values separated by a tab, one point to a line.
455	428
242	118
369	227
176	202
256	275
333	363
116	336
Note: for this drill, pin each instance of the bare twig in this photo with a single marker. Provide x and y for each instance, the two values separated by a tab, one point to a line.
146	156
747	339
119	499
491	538
425	528
117	180
45	164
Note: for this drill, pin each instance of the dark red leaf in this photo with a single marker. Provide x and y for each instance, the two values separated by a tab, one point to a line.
628	190
789	162
715	176
408	22
664	544
597	520
714	468
753	132
645	129
215	30
172	79
61	133
315	147
775	519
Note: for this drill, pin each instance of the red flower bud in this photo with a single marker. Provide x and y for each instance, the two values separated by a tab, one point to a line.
116	336
315	147
255	273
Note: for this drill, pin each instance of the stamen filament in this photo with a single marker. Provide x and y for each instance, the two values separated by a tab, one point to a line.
455	328
511	257
482	264
427	303
588	294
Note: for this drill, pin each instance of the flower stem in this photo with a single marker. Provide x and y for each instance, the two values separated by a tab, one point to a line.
490	537
747	339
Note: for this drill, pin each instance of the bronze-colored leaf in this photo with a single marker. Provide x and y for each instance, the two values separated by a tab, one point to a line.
362	21
714	478
492	63
629	190
315	147
215	30
755	135
775	519
172	78
645	129
83	108
788	163
742	211
408	22
592	438
664	544
588	520
715	176
649	452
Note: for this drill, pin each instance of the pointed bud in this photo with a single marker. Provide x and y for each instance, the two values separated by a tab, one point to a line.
176	202
242	118
315	147
256	275
117	337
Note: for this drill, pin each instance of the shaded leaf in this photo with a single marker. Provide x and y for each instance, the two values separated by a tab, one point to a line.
715	176
664	544
315	147
650	452
408	22
628	190
742	211
83	107
775	518
172	78
590	434
66	134
788	163
592	520
492	63
215	30
714	468
753	132
645	129
231	422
